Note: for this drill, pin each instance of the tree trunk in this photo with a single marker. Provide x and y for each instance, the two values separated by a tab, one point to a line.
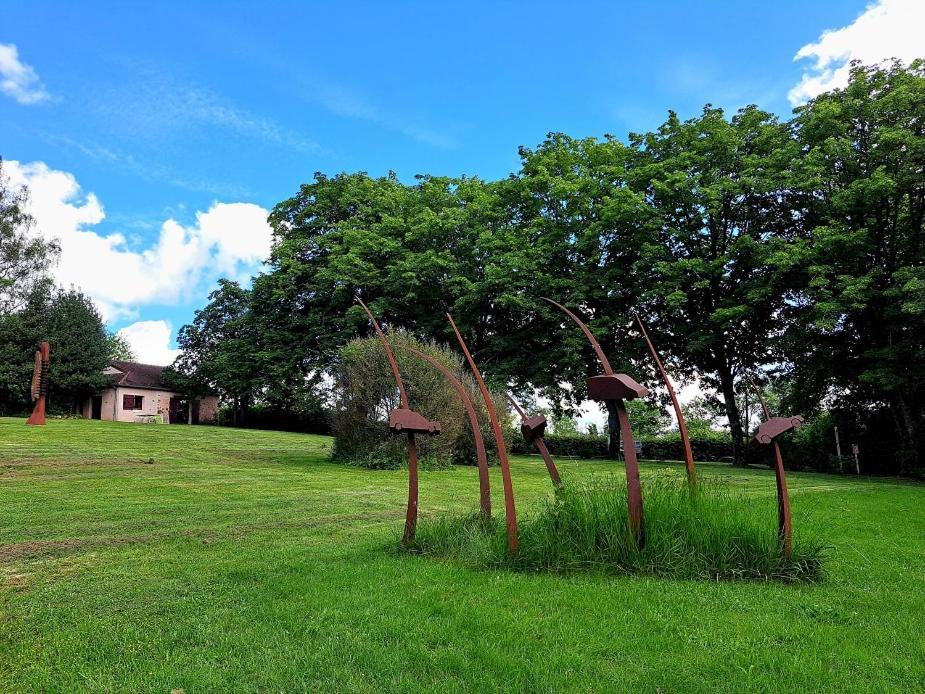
727	387
613	431
909	457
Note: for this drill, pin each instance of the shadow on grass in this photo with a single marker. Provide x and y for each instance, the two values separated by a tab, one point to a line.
721	534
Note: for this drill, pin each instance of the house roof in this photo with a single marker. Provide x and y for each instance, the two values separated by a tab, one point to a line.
135	375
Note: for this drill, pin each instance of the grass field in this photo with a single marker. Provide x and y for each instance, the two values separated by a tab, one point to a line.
152	558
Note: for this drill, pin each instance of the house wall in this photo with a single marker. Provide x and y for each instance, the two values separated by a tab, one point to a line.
106	412
208	409
154	402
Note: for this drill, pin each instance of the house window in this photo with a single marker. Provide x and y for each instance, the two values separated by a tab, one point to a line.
132	402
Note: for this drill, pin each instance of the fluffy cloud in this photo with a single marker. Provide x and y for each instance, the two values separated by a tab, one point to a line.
17	79
150	341
887	29
230	239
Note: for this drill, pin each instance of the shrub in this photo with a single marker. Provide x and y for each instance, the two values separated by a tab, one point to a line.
365	393
305	420
707	445
722	534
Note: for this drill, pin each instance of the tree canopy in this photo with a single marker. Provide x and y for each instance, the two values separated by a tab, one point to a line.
751	246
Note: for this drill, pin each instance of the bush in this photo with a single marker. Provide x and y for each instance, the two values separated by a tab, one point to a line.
305	421
706	445
567	445
722	534
365	394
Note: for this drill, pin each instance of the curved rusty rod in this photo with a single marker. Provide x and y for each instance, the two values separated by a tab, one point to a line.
411	512
510	513
784	525
633	482
403	397
540	446
682	424
481	456
584	328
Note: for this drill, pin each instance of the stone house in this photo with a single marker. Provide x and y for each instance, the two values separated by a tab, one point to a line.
137	394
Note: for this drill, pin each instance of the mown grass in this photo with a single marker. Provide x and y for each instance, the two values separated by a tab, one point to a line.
240	560
719	533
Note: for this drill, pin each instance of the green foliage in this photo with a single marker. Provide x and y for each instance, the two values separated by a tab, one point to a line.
365	393
721	201
119	348
859	328
719	535
218	350
25	258
564	426
80	349
576	445
748	245
648	419
707	444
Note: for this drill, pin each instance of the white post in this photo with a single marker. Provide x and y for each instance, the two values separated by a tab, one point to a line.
855	450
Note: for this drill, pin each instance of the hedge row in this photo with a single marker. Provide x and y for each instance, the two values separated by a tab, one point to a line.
708	445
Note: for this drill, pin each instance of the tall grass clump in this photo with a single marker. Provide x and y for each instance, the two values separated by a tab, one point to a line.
719	534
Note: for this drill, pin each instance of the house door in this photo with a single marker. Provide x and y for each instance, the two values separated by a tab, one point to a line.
96	407
179	410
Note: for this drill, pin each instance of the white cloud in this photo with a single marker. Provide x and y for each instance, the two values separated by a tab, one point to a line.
150	341
886	29
229	239
17	79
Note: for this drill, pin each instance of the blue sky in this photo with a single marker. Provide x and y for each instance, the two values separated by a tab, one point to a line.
156	136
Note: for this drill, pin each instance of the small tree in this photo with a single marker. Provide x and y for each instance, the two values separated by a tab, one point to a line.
365	393
24	257
80	348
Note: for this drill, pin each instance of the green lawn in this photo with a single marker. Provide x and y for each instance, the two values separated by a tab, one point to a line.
152	558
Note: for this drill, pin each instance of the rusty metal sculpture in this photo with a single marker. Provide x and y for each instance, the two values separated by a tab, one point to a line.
614	389
532	429
682	424
480	454
39	390
766	434
404	420
510	513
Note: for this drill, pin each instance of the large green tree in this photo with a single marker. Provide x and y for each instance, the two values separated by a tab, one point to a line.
25	258
218	350
713	288
80	348
857	329
25	261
